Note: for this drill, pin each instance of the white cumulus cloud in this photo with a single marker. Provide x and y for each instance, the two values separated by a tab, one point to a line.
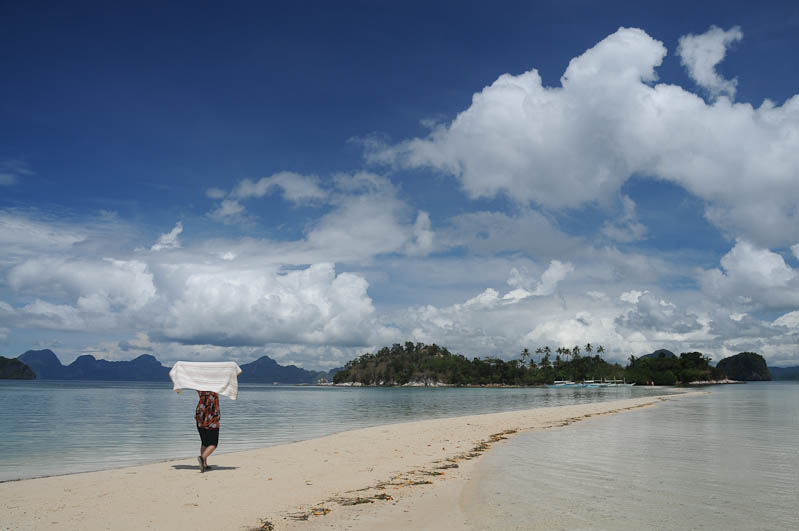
790	320
97	285
631	296
608	120
230	307
752	277
556	272
700	54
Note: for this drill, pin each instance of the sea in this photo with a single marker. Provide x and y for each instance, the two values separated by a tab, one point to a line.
50	427
728	460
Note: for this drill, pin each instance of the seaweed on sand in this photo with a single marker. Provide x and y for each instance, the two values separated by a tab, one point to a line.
316	511
266	525
358	500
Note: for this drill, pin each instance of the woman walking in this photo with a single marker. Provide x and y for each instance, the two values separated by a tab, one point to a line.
207	417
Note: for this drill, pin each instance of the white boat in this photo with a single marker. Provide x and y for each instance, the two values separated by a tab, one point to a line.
594	383
619	383
565	383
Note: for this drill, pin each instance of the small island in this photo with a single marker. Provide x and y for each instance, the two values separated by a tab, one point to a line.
13	369
746	366
418	364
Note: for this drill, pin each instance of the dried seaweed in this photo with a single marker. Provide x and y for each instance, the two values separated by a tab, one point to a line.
359	500
266	525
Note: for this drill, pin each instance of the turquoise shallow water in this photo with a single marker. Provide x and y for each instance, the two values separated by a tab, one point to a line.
728	460
52	427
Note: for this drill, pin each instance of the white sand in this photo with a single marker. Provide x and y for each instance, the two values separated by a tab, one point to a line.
280	483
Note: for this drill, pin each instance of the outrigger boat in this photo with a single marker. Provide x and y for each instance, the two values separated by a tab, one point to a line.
594	383
565	383
590	384
618	383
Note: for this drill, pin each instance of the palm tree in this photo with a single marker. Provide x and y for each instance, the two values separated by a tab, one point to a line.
576	351
588	347
600	349
525	354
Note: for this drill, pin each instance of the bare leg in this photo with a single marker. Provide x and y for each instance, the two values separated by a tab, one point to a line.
206	451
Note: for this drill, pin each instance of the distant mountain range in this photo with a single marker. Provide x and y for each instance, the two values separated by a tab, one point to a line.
784	373
146	368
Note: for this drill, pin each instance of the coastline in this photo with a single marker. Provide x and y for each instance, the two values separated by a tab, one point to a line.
390	474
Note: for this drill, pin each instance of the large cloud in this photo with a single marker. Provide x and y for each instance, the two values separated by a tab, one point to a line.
242	292
651	313
578	143
752	278
97	286
367	216
239	299
363	217
233	307
81	295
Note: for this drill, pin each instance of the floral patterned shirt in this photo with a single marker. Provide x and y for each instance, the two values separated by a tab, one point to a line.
207	414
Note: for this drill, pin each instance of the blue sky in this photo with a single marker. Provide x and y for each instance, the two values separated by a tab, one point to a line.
311	180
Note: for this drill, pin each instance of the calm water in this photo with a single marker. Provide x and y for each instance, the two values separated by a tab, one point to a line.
728	460
52	427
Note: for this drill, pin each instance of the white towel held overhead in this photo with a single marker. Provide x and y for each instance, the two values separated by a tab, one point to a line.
217	376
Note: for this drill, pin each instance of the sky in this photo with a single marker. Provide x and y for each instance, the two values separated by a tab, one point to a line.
315	180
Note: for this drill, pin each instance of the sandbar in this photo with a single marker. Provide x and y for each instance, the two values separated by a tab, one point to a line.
391	476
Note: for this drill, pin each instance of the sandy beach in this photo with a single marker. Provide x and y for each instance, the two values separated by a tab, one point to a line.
390	476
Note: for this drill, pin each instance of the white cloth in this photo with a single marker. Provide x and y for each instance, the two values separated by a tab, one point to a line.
217	376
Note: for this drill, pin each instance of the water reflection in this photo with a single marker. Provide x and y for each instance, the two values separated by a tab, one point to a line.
722	461
58	427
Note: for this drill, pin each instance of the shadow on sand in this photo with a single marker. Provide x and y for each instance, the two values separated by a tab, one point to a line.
213	468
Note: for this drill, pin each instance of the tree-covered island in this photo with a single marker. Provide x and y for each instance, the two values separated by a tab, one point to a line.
421	364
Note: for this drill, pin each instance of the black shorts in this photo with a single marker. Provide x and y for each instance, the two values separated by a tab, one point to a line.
209	437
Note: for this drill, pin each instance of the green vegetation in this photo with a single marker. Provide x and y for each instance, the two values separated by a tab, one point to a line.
665	370
745	367
431	364
420	364
11	368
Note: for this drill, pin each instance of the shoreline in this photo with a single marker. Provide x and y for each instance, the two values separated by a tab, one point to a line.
354	477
